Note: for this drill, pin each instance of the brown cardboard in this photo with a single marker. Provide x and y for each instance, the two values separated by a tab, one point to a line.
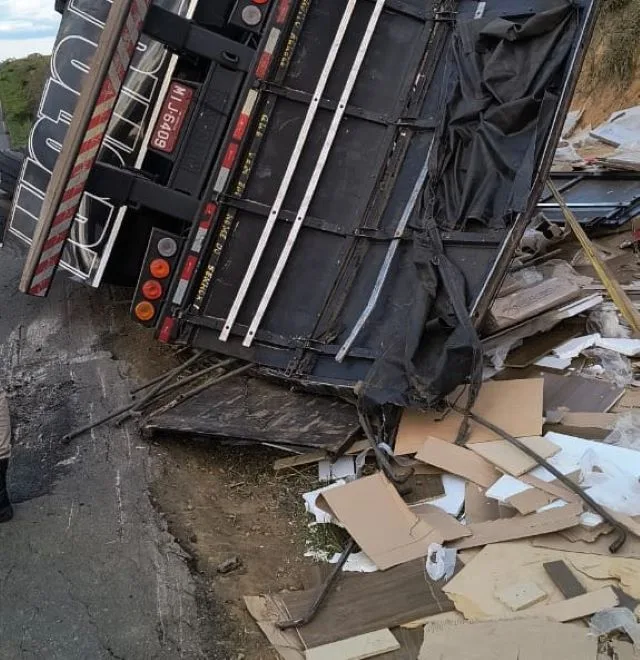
513	405
555	487
445	523
267	611
458	460
512	529
530	500
510	459
478	507
378	519
589	420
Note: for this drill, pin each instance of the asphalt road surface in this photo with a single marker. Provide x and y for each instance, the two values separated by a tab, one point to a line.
87	569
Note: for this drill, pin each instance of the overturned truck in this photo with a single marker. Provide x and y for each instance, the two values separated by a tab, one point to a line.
329	190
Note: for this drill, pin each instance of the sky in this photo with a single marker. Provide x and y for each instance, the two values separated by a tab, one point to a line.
27	26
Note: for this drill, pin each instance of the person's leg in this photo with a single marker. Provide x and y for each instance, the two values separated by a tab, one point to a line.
6	510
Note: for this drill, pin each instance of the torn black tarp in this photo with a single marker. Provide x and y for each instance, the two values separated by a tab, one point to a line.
504	83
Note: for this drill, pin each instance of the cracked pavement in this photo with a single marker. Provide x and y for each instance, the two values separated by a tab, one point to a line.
88	569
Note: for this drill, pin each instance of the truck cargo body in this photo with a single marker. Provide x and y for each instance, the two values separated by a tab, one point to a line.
344	182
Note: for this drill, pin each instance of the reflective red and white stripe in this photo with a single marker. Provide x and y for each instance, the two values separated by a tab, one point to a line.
190	264
230	157
96	129
267	54
188	270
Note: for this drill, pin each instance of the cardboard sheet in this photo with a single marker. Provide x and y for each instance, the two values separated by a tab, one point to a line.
529	639
513	405
267	611
497	531
600	547
512	460
459	461
478	507
473	589
379	520
446	524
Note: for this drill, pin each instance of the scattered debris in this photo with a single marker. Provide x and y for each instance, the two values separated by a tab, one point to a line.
229	565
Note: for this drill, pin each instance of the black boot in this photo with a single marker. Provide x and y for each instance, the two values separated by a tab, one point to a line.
6	510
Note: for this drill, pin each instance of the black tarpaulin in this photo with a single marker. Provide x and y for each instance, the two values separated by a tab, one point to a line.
504	76
504	84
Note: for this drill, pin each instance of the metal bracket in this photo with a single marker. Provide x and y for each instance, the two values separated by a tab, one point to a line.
130	188
183	36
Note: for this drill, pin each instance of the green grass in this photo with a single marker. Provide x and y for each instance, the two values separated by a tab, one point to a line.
21	83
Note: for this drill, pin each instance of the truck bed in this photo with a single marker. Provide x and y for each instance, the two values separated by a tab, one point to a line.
355	295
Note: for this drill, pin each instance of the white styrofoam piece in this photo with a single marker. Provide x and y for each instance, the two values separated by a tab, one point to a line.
628	347
508	486
453	499
573	347
622	128
553	362
343	468
310	503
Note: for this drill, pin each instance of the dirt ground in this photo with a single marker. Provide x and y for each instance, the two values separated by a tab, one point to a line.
223	502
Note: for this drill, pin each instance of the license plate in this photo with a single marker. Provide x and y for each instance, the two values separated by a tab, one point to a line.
172	116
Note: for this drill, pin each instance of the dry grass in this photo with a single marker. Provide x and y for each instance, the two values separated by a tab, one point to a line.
615	50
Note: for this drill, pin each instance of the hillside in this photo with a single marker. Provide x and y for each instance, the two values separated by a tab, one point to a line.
21	83
610	77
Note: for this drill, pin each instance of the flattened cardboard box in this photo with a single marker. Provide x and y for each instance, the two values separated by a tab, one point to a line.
512	405
380	521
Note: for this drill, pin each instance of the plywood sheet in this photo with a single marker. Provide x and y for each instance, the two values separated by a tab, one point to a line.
578	394
361	603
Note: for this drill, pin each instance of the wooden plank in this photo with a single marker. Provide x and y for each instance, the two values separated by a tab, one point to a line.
498	531
532	301
458	460
564	579
356	648
578	607
299	460
536	347
365	602
512	460
578	394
